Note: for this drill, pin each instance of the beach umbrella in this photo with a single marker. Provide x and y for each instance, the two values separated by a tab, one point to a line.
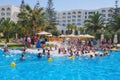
89	36
81	35
49	35
86	36
71	35
62	35
102	37
44	33
115	38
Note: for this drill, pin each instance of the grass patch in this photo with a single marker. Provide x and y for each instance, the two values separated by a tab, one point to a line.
49	45
13	46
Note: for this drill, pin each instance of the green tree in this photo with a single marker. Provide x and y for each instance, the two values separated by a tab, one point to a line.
50	13
74	29
56	32
1	22
7	28
94	23
51	16
31	19
115	24
81	29
69	27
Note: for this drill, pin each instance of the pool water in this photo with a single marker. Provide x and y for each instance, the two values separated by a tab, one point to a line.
61	68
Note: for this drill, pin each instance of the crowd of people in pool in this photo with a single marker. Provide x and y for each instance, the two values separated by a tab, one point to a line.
72	47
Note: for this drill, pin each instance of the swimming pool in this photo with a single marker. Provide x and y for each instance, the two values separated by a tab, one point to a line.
61	68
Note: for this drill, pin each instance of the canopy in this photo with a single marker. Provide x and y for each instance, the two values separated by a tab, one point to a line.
62	35
44	33
68	36
86	36
71	35
89	36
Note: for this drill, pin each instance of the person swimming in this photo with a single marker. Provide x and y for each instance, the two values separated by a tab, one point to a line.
71	53
6	49
39	55
43	51
48	54
22	57
77	54
23	54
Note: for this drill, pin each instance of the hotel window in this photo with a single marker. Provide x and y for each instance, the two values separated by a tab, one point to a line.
57	21
103	15
109	15
69	20
110	10
63	21
78	23
73	23
69	13
73	16
79	12
85	13
8	14
63	24
103	11
73	20
8	9
78	19
63	17
74	12
3	9
79	16
85	17
2	18
2	14
69	17
64	13
91	12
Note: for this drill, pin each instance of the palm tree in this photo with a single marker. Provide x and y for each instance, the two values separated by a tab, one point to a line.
31	19
24	21
94	23
115	24
1	22
81	29
68	27
74	29
7	28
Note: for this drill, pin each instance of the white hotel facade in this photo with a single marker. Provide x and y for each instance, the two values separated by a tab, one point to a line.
9	11
77	17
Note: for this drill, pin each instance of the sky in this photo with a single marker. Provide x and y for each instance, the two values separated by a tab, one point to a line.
63	5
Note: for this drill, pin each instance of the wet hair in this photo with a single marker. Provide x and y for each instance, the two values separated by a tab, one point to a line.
39	55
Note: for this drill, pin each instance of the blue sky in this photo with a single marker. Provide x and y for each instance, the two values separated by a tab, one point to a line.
61	5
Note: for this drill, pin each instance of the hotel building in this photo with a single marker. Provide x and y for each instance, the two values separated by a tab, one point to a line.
78	16
10	12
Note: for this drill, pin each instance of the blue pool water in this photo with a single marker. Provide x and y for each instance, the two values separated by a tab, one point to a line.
61	68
